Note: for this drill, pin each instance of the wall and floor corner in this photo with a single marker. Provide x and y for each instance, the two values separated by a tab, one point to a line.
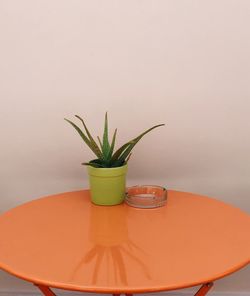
185	63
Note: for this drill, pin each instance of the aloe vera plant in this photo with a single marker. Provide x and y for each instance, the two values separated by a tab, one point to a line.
107	157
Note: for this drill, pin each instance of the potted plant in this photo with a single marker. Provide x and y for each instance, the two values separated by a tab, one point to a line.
107	172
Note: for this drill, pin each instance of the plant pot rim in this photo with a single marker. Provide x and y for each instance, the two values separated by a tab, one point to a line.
114	168
107	172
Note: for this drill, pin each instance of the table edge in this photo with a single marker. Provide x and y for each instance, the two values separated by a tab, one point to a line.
123	290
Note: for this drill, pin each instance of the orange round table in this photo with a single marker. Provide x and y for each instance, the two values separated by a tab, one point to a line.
64	241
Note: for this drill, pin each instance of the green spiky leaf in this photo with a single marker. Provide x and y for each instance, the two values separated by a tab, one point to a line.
118	152
105	140
123	152
100	142
105	153
128	158
117	163
91	139
97	163
84	137
112	146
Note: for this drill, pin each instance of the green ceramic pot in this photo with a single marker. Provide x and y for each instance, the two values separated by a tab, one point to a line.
107	185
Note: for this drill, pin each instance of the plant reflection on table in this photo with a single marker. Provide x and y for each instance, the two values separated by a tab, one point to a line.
109	234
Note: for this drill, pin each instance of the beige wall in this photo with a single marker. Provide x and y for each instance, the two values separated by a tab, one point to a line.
185	63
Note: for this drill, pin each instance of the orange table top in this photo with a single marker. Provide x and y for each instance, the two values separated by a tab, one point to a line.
66	242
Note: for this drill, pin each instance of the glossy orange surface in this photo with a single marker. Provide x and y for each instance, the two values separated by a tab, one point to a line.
64	241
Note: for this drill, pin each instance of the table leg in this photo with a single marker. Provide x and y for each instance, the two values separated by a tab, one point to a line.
204	289
120	294
45	290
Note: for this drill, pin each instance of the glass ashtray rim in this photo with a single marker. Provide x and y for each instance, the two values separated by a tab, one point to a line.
137	201
164	189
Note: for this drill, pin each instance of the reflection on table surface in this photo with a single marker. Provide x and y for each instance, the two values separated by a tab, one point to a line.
67	242
108	233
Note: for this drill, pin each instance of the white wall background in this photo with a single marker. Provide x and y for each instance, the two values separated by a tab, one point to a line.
185	63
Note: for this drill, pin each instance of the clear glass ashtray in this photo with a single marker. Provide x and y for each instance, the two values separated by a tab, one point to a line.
146	196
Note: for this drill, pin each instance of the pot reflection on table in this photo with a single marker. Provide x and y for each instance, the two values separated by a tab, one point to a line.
108	232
